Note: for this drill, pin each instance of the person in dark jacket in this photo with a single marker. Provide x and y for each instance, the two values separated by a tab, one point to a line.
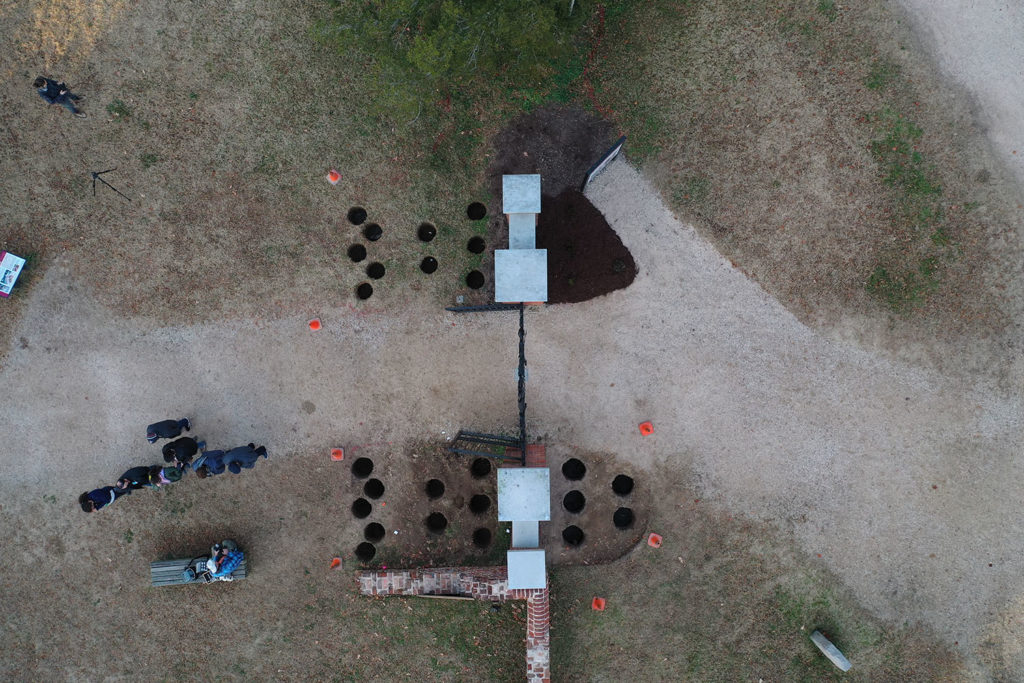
181	451
167	429
208	464
97	499
162	476
134	479
243	457
58	93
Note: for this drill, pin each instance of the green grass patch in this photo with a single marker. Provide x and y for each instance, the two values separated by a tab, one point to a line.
883	74
118	109
148	159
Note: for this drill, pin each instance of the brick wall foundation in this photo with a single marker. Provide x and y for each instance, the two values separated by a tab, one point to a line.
480	583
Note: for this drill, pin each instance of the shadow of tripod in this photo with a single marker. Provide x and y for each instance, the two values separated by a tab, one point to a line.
96	176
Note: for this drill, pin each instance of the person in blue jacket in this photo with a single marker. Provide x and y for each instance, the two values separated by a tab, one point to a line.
224	561
215	462
97	499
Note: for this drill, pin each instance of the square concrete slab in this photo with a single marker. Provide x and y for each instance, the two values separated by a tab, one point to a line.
520	275
522	231
524	494
525	534
520	193
526	569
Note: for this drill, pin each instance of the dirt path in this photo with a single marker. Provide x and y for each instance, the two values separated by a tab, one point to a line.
899	478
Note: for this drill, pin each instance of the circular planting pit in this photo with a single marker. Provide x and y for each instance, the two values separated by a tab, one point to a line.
365	552
574	501
476	245
476	211
373	532
479	504
362	467
480	468
428	265
364	291
374	489
623	518
622	485
357	253
362	508
573	469
475	279
372	232
436	523
573	535
435	489
426	232
375	270
482	538
357	215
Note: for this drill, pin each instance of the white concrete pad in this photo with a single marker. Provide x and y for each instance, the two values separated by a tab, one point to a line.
520	193
520	275
524	494
522	231
525	534
526	569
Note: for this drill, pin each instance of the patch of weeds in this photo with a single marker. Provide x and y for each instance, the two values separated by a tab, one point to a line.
129	536
176	508
940	237
896	153
905	289
693	190
882	75
148	159
50	498
193	95
827	8
118	109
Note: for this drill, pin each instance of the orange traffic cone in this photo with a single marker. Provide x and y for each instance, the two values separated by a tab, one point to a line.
646	428
333	177
598	604
314	324
654	540
337	454
336	563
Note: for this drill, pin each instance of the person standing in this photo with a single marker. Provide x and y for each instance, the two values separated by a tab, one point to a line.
243	457
58	93
97	499
181	451
134	479
167	429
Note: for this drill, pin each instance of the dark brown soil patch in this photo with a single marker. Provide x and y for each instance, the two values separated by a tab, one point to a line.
560	143
585	257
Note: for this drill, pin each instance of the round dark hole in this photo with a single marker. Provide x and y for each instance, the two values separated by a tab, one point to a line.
574	469
426	232
436	522
428	265
435	488
374	489
362	467
373	532
364	291
574	501
622	485
365	551
476	211
573	535
361	508
372	232
475	279
375	270
476	245
356	215
623	518
357	253
480	468
479	504
482	538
